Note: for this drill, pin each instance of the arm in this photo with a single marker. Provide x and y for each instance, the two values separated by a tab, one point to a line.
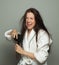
23	52
11	34
7	34
43	46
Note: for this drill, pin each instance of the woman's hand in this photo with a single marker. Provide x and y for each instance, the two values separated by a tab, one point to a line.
18	49
23	52
14	33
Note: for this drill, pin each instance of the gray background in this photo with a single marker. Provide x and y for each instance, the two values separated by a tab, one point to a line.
10	13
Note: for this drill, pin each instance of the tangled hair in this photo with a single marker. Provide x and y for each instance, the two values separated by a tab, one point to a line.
38	19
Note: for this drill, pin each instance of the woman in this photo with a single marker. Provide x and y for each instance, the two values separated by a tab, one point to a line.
36	39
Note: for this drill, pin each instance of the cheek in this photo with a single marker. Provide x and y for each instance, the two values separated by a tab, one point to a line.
34	23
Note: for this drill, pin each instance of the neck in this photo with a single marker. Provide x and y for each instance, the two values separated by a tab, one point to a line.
29	32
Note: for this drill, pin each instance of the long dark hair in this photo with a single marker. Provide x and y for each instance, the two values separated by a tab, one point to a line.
39	22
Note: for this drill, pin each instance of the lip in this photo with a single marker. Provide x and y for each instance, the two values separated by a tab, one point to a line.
29	24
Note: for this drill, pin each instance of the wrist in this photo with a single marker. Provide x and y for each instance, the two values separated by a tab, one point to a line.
25	53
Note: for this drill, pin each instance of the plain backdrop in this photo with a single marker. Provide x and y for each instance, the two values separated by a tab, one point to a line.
11	12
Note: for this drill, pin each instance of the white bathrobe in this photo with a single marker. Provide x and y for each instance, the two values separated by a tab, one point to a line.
39	48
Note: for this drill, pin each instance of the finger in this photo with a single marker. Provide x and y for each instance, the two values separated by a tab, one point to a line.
16	36
16	45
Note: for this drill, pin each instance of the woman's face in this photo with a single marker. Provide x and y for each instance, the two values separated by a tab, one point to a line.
30	20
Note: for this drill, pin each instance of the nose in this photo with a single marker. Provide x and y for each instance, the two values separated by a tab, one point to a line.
28	20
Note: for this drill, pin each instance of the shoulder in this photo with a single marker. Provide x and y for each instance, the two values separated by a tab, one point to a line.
42	32
43	35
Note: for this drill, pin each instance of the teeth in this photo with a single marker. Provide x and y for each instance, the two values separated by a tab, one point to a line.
29	23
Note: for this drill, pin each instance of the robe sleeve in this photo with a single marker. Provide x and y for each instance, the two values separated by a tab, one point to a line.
41	53
8	36
19	40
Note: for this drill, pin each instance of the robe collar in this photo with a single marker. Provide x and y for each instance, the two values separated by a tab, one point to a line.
31	35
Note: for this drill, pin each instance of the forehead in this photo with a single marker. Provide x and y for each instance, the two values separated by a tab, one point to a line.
29	14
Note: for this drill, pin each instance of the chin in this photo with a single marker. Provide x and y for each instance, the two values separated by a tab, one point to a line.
29	28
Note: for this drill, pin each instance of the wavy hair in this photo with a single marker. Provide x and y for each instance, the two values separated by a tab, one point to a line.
38	19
